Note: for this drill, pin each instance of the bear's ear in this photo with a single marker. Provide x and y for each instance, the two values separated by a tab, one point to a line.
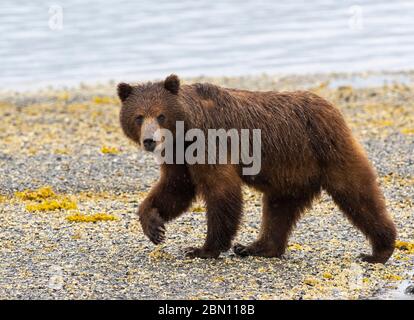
124	90
172	84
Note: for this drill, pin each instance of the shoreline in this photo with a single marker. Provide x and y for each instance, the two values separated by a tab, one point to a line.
359	79
69	139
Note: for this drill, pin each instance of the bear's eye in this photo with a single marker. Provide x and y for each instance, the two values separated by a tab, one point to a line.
139	120
161	118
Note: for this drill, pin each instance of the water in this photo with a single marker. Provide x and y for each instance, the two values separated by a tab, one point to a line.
135	40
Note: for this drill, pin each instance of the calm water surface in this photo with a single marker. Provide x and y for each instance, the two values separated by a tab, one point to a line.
134	40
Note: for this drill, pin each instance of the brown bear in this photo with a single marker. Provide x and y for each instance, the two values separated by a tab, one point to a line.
306	146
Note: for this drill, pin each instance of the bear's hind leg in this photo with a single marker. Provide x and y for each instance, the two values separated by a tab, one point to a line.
280	215
365	208
353	186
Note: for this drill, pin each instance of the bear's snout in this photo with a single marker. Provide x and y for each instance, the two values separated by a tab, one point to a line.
149	144
149	129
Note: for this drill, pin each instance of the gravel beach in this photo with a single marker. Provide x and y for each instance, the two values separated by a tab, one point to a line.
70	184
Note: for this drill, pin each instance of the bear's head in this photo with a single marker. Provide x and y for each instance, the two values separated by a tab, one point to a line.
146	108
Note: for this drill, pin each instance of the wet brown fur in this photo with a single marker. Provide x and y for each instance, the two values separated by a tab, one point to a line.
306	147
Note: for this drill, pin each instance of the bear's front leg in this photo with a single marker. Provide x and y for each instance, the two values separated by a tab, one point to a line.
169	198
224	207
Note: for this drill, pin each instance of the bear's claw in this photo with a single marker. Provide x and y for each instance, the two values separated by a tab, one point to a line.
193	252
256	249
241	250
153	227
373	259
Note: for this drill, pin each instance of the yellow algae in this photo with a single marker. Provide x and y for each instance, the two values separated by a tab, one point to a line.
95	114
198	209
109	150
218	279
38	194
295	247
142	194
2	198
402	257
77	107
63	96
396	179
383	123
77	236
407	131
94	195
366	280
5	104
53	204
320	87
335	242
327	275
109	128
407	247
104	100
298	247
61	151
80	217
392	277
159	254
311	281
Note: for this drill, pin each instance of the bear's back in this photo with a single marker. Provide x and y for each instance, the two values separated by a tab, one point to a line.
294	125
